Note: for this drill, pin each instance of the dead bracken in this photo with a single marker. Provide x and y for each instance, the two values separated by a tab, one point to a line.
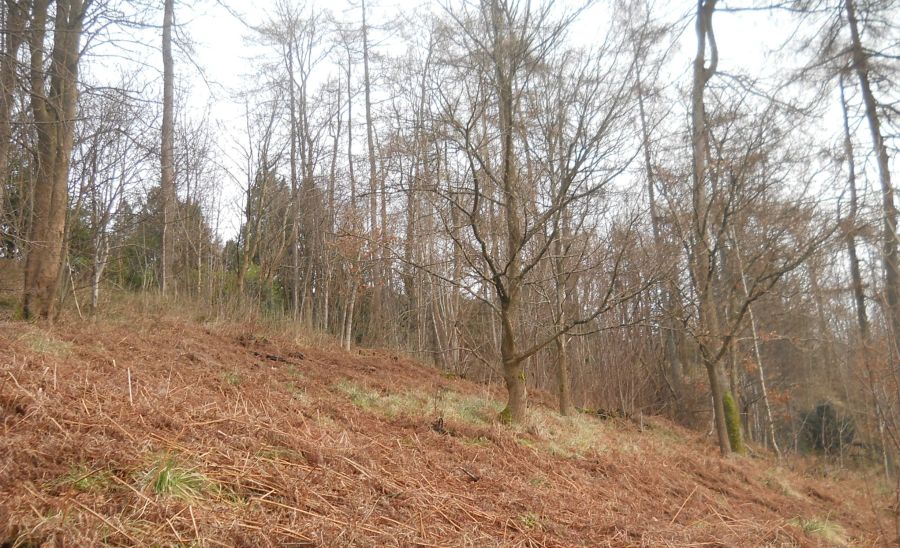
400	456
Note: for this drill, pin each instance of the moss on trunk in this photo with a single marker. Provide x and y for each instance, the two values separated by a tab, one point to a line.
733	423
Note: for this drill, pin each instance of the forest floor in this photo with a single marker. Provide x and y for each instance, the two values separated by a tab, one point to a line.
165	431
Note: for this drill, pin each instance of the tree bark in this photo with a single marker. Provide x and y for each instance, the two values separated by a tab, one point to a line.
562	372
702	264
348	323
859	296
563	278
167	150
295	190
15	15
378	274
53	109
513	366
717	390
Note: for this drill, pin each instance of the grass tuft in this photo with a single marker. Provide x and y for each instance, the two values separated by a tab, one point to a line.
777	483
389	405
87	480
469	409
297	393
530	520
170	479
43	343
568	437
545	430
822	528
232	378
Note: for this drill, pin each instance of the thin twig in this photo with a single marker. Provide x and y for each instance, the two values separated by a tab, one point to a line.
678	513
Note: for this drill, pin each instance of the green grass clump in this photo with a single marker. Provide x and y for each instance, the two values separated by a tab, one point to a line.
9	302
232	378
480	441
87	480
530	520
544	430
281	453
777	483
43	343
822	528
389	405
170	479
297	393
359	395
467	408
567	437
451	406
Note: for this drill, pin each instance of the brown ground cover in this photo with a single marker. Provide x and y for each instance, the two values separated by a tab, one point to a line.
169	432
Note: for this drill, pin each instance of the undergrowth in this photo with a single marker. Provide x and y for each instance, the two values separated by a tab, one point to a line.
823	528
168	478
567	437
43	343
86	480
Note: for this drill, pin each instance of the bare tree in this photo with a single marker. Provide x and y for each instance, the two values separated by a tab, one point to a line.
14	17
860	62
167	149
54	97
511	209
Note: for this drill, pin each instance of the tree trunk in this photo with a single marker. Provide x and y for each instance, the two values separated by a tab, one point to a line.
295	191
668	323
562	371
101	254
513	369
14	17
702	262
563	278
54	116
761	375
889	209
167	150
350	169
859	296
330	258
509	292
378	276
718	392
411	257
348	327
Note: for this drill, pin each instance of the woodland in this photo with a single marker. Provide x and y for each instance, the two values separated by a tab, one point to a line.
583	199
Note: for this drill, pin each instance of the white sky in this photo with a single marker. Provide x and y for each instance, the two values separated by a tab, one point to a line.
227	57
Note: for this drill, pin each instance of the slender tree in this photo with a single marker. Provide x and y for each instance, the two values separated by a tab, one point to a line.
860	63
14	17
167	150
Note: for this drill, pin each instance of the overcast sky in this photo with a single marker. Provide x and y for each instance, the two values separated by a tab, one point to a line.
222	61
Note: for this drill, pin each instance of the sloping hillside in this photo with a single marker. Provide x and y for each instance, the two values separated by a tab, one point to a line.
171	433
